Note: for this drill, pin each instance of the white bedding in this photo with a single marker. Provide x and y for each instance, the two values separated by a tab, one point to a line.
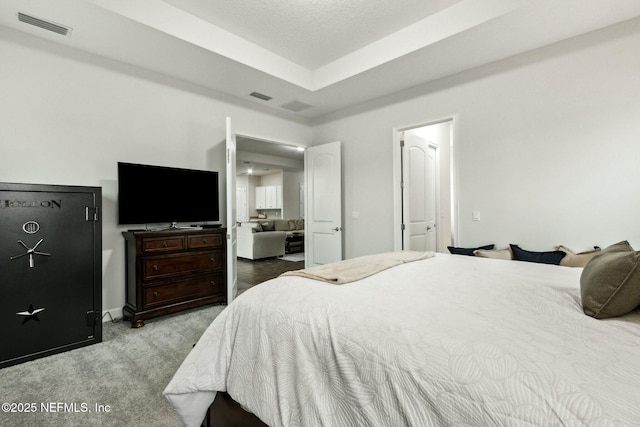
447	341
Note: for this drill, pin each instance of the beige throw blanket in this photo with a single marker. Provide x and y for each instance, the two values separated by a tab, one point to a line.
358	268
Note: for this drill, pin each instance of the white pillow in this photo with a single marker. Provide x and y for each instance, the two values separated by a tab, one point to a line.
572	259
495	254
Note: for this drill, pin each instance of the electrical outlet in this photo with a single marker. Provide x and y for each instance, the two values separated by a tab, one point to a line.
475	216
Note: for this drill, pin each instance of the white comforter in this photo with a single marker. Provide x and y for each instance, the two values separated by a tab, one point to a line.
447	341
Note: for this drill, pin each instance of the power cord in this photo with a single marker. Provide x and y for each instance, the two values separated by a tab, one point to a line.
111	319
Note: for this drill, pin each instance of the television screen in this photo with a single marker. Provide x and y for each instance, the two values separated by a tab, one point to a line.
156	194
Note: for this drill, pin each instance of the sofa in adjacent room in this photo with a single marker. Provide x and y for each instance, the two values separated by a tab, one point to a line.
266	238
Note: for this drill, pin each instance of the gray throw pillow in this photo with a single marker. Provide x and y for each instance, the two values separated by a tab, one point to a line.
610	282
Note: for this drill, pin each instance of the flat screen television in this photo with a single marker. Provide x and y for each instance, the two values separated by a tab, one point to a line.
150	194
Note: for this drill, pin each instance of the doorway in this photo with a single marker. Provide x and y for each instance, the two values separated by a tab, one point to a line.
262	162
424	186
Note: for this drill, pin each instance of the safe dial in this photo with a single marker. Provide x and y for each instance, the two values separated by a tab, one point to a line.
30	252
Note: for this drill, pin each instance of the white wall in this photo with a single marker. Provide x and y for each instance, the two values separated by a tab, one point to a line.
67	117
291	194
546	144
272	179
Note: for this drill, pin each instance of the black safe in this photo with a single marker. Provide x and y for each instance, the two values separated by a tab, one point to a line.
50	270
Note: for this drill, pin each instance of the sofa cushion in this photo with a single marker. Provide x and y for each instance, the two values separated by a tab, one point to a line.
281	225
610	282
254	226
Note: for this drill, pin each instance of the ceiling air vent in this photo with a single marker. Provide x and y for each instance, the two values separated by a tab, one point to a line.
260	96
296	106
41	23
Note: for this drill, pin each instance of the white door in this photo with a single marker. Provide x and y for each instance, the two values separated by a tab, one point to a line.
323	219
232	227
419	195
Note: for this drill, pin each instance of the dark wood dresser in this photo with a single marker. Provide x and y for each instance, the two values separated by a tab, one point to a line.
169	271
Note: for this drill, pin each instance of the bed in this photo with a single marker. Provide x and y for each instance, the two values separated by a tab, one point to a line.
446	341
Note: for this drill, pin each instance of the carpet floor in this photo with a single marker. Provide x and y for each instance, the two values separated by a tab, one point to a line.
117	382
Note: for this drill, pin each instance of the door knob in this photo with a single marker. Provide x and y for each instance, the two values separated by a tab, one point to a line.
337	229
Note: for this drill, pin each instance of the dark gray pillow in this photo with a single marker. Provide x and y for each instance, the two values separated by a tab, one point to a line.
551	257
610	282
268	226
467	251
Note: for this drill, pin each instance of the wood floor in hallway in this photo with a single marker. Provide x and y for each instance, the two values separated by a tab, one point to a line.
253	272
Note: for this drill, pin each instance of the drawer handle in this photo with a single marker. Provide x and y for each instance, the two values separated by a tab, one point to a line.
155	268
213	283
155	294
212	260
164	244
204	241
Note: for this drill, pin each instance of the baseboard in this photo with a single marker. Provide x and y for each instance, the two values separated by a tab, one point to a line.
115	313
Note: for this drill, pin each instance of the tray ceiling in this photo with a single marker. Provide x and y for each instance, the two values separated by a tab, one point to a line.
312	57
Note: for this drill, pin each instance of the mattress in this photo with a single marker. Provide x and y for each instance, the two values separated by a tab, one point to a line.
446	341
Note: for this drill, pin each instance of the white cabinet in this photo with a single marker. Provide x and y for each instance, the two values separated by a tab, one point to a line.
278	197
269	197
261	200
273	197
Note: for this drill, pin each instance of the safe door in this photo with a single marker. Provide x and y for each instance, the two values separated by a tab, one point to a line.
50	270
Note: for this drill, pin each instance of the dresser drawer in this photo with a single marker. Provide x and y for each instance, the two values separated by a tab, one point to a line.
162	244
178	264
202	241
202	286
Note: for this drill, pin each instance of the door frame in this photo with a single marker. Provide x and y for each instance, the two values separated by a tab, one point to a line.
397	175
232	226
